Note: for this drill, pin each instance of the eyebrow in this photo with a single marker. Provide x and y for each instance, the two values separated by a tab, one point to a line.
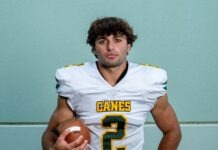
100	37
120	35
115	36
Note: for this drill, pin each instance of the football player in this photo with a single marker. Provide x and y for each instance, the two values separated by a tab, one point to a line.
112	95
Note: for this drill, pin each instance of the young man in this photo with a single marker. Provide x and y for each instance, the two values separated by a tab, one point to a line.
112	95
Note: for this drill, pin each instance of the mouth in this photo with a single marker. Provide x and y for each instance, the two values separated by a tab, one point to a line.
111	56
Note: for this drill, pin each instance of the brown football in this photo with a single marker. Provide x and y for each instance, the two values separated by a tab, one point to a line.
77	128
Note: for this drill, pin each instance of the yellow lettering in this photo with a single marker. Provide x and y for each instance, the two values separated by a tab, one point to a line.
113	105
128	106
106	106
99	106
121	105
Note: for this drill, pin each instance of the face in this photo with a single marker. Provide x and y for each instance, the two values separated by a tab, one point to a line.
111	50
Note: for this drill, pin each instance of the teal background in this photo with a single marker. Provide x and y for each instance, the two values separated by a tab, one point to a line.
39	36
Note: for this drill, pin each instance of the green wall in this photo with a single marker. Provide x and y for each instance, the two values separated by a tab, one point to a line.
39	36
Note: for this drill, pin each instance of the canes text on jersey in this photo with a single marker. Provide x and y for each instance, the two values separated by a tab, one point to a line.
113	106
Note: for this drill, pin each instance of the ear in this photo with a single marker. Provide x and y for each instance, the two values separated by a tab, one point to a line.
94	52
129	47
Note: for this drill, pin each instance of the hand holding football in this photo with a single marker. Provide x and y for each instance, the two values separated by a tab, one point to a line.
77	128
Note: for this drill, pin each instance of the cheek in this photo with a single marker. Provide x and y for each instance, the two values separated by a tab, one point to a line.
99	48
97	51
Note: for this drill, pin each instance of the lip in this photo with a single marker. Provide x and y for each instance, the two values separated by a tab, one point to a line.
111	56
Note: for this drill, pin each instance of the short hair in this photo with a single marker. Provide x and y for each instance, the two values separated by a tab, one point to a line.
107	26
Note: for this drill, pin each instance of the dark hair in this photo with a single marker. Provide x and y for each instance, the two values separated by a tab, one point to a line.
108	26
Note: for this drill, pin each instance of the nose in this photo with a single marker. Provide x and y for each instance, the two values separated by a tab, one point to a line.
110	45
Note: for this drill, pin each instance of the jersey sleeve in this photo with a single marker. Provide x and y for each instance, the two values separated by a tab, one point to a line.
62	83
159	84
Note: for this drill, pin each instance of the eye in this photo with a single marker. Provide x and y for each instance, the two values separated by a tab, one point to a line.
101	41
118	40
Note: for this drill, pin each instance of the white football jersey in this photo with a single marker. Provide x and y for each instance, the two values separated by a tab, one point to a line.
116	114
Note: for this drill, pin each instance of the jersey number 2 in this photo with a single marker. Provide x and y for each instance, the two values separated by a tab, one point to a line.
113	133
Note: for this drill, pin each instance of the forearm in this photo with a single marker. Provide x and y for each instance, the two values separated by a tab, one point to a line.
48	140
170	141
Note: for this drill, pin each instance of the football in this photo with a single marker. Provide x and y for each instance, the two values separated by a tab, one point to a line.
77	128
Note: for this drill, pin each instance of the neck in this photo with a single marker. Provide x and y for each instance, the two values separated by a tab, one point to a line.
113	74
